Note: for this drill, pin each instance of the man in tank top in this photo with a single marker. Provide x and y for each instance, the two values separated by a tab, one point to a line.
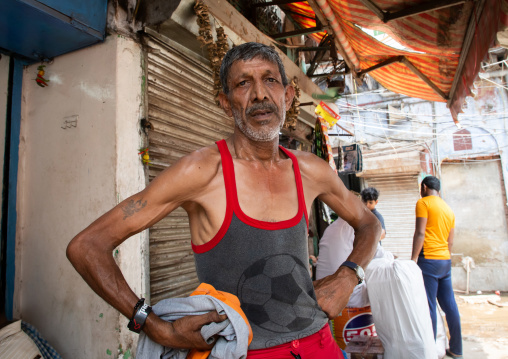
247	200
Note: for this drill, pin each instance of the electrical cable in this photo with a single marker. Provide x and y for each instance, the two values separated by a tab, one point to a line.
353	108
425	133
459	156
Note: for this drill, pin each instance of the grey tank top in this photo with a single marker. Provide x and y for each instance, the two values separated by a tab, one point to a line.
265	265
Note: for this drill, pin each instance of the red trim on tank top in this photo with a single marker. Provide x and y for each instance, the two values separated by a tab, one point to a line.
299	184
226	168
233	205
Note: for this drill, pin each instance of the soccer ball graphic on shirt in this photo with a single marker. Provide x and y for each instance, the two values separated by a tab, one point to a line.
272	295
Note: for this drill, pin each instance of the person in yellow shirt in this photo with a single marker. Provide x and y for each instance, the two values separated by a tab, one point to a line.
432	244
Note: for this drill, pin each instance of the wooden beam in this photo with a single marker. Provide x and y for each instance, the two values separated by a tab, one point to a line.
298	14
321	17
326	75
426	6
313	48
318	56
317	11
375	9
466	44
293	21
387	62
275	2
315	62
405	61
306	31
425	79
344	129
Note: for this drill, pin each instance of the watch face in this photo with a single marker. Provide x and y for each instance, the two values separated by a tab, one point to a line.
360	272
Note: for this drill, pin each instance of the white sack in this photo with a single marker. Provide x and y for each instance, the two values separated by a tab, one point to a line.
441	338
334	248
400	309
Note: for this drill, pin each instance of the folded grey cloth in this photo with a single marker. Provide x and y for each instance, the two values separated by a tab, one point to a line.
233	339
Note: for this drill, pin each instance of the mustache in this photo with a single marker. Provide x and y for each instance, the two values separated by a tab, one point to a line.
260	107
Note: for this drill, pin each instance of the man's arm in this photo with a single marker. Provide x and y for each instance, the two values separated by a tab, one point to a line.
90	252
450	239
320	181
418	238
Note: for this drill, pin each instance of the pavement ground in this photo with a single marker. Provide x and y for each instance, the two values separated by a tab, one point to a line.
484	326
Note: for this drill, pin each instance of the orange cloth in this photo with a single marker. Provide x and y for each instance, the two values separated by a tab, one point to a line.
440	221
227	298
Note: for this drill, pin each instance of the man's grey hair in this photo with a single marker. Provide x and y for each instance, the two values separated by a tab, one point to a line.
249	51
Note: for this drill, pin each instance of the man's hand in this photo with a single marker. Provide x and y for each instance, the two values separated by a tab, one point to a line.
333	291
183	333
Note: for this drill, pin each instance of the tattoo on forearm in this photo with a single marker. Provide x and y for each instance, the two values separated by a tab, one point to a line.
132	207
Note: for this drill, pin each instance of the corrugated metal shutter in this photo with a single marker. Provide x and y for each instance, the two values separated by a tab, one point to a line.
182	111
397	201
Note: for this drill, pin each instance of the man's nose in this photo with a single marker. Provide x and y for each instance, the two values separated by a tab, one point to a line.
259	91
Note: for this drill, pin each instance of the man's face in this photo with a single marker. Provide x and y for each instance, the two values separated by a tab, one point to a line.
371	204
257	99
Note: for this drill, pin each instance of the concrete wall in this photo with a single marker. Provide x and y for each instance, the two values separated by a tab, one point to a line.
431	125
475	194
475	191
4	82
68	176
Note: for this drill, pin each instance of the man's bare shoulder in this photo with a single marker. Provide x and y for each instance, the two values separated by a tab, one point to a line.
191	172
202	162
204	155
310	164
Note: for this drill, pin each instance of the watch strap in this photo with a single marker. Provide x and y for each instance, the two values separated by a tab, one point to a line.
141	311
353	266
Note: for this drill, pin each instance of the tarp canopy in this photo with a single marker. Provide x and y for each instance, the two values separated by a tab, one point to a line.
442	49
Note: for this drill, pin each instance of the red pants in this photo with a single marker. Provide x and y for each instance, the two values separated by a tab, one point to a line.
316	346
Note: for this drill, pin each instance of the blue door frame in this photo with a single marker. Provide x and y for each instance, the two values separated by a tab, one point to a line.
14	120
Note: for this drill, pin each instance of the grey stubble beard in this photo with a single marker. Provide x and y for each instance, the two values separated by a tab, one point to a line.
259	136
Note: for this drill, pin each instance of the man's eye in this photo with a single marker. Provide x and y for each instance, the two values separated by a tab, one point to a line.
271	79
242	83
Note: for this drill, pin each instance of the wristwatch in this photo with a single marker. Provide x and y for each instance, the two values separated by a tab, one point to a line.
141	311
360	274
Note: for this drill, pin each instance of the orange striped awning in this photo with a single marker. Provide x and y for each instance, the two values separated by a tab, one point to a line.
445	46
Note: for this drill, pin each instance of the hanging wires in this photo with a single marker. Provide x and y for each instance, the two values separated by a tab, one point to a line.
459	156
425	133
384	132
351	107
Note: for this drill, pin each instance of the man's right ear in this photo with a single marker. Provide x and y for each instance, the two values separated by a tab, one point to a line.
225	104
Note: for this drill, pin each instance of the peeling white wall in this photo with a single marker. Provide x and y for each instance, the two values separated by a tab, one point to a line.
133	255
67	178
